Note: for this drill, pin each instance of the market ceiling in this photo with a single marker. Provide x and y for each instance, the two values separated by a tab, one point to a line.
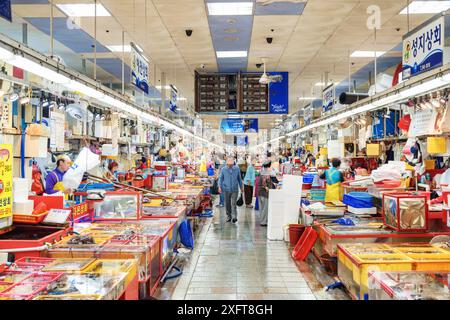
309	38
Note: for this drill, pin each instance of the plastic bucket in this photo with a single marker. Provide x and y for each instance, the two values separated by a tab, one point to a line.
329	263
295	232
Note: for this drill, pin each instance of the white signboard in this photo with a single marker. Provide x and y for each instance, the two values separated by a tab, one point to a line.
423	49
57	121
423	123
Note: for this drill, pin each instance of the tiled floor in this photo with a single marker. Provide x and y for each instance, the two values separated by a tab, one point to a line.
236	261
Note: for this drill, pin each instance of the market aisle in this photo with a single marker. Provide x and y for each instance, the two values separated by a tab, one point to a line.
238	262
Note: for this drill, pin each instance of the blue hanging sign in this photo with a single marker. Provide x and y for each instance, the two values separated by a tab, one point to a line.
239	125
279	93
173	99
5	9
423	48
328	98
139	70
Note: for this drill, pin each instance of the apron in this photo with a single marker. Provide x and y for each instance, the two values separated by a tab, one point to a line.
334	192
59	186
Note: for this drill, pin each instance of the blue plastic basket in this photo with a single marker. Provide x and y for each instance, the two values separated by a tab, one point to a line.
308	178
317	194
358	200
96	185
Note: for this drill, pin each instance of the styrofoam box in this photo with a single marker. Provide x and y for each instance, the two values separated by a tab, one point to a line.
372	210
23	207
28	170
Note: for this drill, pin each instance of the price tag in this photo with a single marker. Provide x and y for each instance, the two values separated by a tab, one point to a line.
57	216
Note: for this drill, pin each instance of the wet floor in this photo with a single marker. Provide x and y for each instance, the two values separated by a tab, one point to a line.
236	261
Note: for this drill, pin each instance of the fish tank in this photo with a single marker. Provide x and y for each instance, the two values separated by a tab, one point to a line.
411	285
119	206
405	212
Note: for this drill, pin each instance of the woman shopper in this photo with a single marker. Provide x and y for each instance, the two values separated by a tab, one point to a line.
265	184
334	178
249	183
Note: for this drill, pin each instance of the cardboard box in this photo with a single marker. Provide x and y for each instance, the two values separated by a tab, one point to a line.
35	146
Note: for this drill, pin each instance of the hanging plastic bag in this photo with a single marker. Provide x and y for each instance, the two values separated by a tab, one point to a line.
85	161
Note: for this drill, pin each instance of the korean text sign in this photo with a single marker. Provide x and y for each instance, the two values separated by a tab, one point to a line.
239	125
328	98
6	173
139	70
423	49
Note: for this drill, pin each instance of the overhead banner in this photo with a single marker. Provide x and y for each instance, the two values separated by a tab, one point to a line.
241	140
423	48
279	93
6	174
173	99
139	70
308	114
240	125
328	98
5	9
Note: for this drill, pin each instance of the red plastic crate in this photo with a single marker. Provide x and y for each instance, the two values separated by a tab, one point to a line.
305	244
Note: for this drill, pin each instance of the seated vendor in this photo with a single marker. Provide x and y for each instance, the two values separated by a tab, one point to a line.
112	169
141	164
334	179
53	181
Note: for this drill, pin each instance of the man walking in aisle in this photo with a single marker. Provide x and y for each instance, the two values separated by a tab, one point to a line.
230	182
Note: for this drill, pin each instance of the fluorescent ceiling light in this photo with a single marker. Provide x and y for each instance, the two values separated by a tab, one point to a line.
139	48
422	7
231	54
181	98
120	48
6	55
83	10
37	69
366	54
230	8
306	98
165	87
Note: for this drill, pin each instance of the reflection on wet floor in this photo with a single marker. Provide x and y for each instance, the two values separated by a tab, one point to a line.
236	261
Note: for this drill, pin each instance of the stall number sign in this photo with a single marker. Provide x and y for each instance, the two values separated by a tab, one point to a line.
6	173
328	98
79	211
423	49
139	70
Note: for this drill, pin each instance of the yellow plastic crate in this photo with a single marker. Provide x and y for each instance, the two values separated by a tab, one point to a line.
309	147
323	151
373	149
436	145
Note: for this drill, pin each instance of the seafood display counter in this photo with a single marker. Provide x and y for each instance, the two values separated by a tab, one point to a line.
356	261
30	240
411	285
31	278
150	242
364	231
